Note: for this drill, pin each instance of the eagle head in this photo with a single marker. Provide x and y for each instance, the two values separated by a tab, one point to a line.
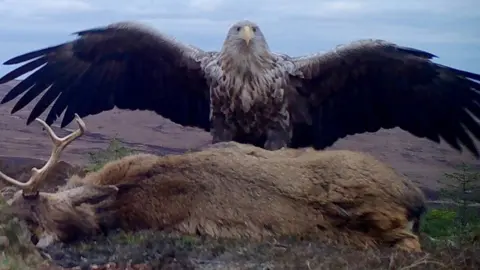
245	45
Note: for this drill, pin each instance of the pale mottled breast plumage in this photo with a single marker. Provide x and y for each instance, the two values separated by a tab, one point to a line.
250	98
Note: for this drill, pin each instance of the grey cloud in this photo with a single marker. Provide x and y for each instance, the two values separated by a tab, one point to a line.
447	28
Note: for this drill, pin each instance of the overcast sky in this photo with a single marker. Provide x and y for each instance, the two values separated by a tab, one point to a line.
449	29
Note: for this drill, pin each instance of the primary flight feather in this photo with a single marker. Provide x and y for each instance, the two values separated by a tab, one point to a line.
246	93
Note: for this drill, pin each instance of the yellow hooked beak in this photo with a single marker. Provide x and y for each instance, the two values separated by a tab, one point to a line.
247	34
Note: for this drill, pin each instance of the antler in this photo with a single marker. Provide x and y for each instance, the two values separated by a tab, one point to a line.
59	144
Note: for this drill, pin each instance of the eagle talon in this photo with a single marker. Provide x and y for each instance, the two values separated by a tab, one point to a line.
275	144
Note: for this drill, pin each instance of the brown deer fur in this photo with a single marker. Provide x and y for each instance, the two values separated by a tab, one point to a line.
230	190
238	191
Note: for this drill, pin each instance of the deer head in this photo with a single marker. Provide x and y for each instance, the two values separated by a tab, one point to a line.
57	216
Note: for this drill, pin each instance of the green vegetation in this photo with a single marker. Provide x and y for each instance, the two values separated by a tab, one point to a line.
440	223
114	151
459	220
16	250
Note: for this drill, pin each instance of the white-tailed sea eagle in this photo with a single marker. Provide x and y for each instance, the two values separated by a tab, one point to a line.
248	94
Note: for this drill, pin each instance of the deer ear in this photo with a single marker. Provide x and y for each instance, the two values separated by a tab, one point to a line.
91	194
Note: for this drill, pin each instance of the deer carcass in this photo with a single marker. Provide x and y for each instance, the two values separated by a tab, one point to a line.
228	190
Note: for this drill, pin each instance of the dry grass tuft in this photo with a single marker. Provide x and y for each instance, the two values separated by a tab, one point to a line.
16	249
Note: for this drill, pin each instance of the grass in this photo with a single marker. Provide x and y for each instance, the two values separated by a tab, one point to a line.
161	249
443	223
115	150
16	250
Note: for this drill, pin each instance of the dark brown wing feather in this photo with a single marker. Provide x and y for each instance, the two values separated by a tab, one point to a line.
124	65
372	84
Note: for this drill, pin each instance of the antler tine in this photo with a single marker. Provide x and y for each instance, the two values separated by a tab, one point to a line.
59	145
11	180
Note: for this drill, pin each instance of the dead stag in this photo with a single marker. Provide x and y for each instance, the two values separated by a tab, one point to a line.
228	190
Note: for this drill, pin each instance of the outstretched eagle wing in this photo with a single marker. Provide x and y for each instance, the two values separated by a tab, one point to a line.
126	65
373	84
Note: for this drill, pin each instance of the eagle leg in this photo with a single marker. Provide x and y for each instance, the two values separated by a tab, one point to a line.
277	138
221	131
